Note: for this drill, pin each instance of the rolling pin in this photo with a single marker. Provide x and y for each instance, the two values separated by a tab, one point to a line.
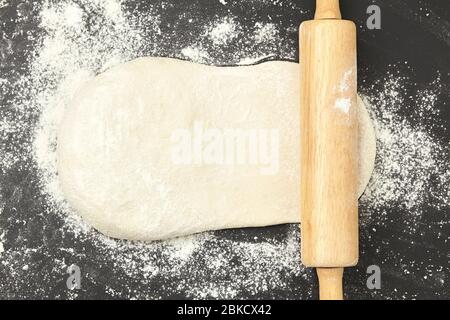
329	137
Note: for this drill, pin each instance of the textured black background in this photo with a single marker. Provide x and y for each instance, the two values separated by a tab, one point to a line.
405	35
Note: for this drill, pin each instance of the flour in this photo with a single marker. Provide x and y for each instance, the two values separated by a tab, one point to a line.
209	265
343	104
410	162
265	32
223	31
195	54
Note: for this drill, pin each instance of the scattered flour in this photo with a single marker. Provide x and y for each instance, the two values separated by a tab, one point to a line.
223	31
266	32
412	170
194	54
343	104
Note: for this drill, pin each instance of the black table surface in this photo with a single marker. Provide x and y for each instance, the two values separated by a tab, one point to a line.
36	246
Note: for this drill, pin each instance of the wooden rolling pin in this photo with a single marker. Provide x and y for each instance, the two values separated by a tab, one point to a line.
329	135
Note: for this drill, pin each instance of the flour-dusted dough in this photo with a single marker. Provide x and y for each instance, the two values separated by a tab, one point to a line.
115	144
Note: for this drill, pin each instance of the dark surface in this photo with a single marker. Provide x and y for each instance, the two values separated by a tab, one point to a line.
405	36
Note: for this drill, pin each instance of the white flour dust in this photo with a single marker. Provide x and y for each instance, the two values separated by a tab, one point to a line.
83	38
343	104
410	161
224	31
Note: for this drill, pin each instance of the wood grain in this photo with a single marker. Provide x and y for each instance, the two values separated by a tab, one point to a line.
329	134
327	9
330	283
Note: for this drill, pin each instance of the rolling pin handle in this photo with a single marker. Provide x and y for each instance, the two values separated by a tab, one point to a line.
327	9
330	283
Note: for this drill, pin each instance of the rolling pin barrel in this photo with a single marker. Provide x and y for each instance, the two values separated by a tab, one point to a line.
329	136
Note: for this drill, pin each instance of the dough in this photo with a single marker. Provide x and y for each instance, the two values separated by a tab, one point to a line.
145	150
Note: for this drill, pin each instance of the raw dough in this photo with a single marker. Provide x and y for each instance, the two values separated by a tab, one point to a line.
117	139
